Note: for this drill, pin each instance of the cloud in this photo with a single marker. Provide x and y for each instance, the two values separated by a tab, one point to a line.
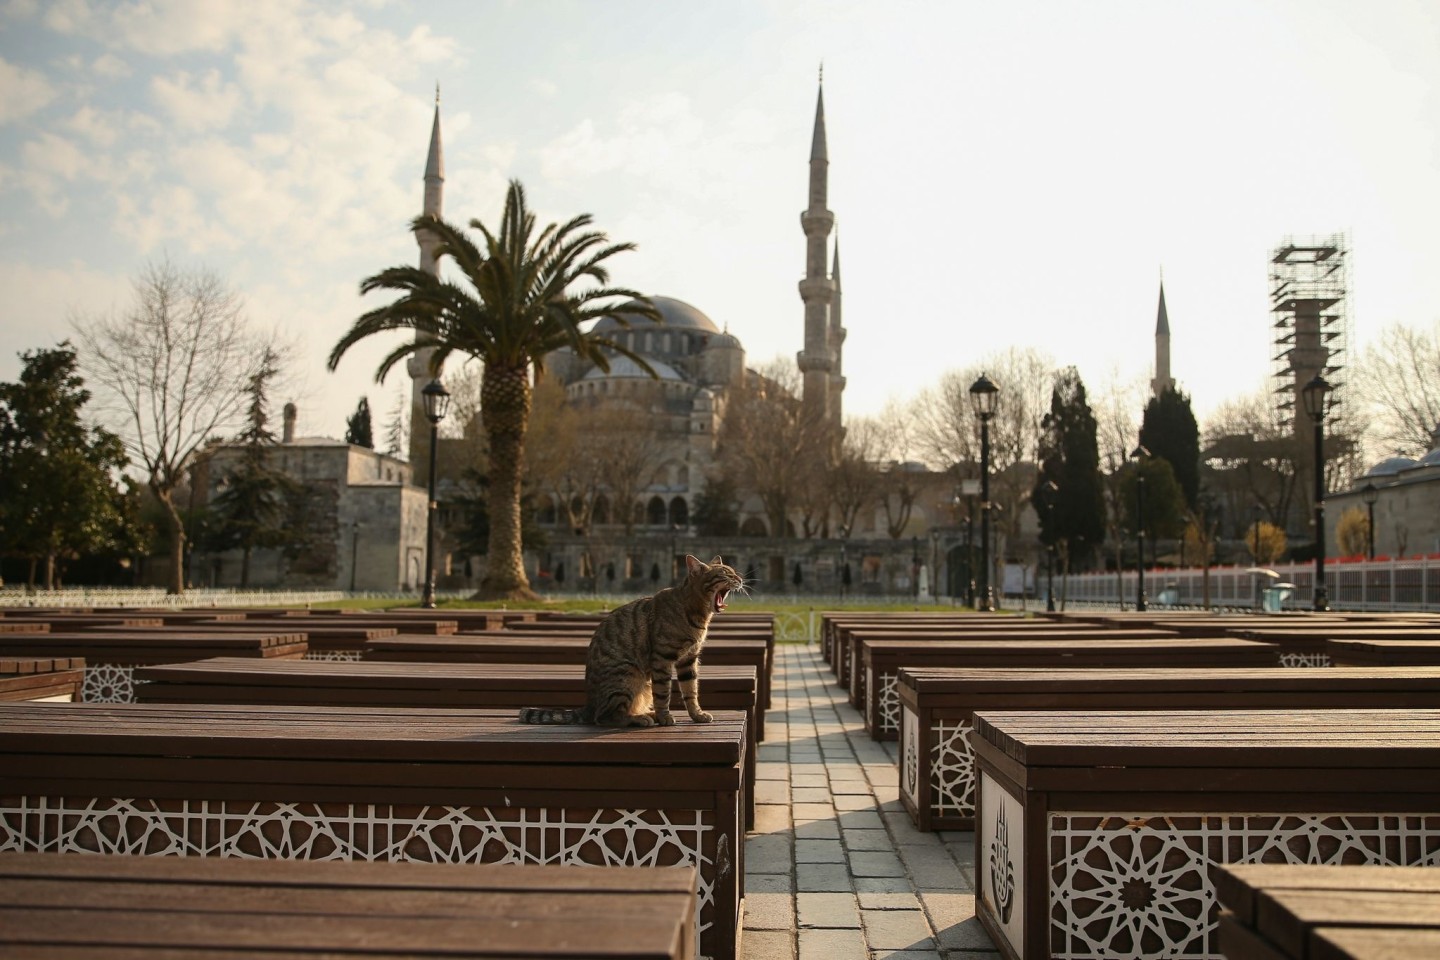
110	67
98	126
26	91
649	134
204	104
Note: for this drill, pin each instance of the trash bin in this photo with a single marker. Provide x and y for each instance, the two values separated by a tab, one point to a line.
1273	598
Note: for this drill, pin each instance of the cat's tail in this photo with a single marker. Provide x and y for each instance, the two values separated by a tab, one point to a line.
554	715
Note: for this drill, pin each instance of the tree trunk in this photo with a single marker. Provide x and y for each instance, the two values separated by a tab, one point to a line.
505	407
50	570
245	569
176	585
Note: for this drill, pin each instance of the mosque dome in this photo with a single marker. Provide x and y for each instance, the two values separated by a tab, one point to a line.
677	314
623	368
722	340
1390	467
1431	459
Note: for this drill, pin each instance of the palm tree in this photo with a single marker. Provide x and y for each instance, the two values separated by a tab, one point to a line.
518	307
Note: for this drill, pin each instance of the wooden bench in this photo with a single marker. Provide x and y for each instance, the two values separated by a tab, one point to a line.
111	906
358	783
111	657
504	647
324	640
938	706
1310	646
1095	831
834	625
1384	652
854	641
374	683
1304	912
885	658
41	678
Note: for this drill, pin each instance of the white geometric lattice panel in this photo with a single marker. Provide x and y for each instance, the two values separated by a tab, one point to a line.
952	770
337	831
333	655
108	683
1305	660
1138	886
889	706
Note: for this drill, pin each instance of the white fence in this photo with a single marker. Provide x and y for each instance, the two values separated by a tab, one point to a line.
1352	585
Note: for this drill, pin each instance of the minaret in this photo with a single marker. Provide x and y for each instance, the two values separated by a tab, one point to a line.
837	342
816	361
1163	381
418	366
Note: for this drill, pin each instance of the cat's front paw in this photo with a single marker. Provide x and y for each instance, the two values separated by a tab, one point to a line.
700	716
666	719
642	720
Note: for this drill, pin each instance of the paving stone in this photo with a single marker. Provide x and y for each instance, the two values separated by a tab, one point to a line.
830	945
772	771
907	955
822	878
812	811
819	794
768	853
861	820
809	780
883	885
849	788
834	910
897	930
769	911
931	868
771	753
867	840
769	882
889	901
815	851
847	801
878	863
772	791
956	926
767	945
817	830
772	818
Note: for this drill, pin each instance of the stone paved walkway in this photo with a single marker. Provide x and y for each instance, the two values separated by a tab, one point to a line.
834	869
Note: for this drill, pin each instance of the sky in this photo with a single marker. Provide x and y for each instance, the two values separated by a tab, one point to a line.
1002	174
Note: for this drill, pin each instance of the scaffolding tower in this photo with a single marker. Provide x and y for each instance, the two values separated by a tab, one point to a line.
1309	287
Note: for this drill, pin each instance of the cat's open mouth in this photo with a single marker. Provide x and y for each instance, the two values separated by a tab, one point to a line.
720	600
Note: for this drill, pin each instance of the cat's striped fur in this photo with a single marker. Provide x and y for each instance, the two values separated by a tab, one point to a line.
641	647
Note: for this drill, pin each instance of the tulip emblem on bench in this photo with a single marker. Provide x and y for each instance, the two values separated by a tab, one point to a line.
1002	868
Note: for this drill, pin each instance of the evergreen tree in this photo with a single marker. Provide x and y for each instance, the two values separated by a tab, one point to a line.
59	494
252	508
1169	431
357	428
1073	518
714	514
1165	514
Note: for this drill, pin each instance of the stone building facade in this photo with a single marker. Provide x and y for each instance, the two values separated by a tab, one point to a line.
1407	504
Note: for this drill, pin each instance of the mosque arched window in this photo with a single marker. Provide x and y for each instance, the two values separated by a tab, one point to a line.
601	512
637	516
754	527
548	513
679	512
655	512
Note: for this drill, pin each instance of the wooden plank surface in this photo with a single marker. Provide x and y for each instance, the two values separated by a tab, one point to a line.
374	734
1290	908
1362	738
264	908
941	681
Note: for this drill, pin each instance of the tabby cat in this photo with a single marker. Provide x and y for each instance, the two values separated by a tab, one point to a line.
639	648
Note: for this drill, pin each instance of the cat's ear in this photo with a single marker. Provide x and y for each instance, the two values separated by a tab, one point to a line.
693	565
718	561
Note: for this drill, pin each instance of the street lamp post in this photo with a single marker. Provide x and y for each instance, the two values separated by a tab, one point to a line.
1048	493
1313	394
1140	454
437	404
1369	494
984	395
844	562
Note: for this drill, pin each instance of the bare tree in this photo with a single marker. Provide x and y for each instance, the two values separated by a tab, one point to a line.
627	450
855	481
1398	384
948	434
175	368
767	441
